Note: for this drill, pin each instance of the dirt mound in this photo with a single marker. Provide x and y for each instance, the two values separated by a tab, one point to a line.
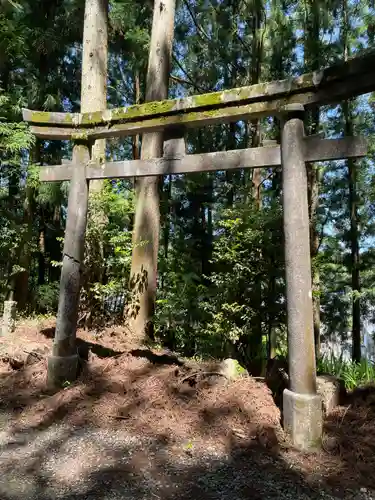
347	458
150	392
149	399
154	393
350	434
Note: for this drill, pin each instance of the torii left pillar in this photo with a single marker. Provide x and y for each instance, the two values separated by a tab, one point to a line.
302	406
63	364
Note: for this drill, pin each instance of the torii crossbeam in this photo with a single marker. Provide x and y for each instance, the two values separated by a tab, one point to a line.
287	99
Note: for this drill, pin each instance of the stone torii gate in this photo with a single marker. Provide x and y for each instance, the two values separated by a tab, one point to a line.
287	99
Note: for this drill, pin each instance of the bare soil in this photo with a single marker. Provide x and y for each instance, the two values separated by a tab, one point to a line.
155	394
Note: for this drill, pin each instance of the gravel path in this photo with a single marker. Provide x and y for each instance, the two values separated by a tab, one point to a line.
63	462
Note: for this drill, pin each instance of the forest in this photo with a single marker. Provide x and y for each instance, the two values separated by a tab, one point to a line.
220	280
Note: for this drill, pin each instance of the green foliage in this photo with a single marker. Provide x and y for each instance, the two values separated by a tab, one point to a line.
352	374
108	248
15	139
221	285
47	297
243	255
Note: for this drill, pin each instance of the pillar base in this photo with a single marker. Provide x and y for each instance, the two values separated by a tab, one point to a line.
61	369
303	420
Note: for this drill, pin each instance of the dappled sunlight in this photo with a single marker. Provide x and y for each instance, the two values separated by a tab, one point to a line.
146	420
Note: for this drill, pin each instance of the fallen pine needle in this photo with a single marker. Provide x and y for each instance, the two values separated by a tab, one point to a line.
346	411
203	374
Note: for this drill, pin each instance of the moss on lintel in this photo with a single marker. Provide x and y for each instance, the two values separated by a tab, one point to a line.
188	118
81	135
40	117
191	118
310	82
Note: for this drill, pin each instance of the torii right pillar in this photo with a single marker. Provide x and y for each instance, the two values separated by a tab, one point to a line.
302	406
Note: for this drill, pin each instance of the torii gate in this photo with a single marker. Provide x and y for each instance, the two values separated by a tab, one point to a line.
287	99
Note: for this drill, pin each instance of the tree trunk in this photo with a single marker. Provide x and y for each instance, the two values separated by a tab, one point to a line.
94	98
313	191
254	142
254	77
94	70
21	280
208	231
230	176
93	75
137	99
143	278
353	210
354	243
354	247
272	337
21	290
42	254
168	201
253	138
313	63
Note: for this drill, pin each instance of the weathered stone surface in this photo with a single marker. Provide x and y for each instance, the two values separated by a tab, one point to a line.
302	407
301	351
175	162
331	390
64	344
303	420
61	369
232	369
335	83
9	317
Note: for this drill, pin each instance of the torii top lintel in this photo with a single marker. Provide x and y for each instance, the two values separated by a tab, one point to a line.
331	85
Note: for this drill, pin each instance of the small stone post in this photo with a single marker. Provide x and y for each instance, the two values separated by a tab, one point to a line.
302	406
9	317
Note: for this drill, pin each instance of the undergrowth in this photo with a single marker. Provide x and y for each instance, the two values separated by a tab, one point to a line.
352	374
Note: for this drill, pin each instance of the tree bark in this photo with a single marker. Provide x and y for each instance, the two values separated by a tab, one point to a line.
253	138
313	63
353	210
63	363
94	69
70	283
254	77
137	99
21	280
167	214
354	243
313	191
94	98
143	277
42	253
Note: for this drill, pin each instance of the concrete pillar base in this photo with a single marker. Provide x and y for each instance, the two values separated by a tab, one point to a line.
9	317
303	420
61	369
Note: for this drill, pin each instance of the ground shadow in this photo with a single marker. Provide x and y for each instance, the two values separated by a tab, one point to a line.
84	348
48	332
74	446
158	359
114	464
349	436
150	464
